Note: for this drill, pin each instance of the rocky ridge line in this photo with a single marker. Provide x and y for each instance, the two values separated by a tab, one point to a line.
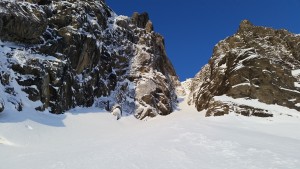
256	63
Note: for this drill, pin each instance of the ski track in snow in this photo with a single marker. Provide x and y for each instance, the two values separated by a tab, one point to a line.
91	139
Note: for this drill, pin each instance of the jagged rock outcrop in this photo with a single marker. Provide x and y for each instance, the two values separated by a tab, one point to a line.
21	22
80	53
255	63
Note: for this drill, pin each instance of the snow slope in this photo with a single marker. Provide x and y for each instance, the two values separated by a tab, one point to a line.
93	139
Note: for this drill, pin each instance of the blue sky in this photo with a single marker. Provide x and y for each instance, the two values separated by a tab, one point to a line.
192	28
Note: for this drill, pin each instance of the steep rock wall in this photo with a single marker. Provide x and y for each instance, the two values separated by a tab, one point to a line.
56	55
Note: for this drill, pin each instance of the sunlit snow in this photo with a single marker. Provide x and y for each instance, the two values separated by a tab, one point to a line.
93	139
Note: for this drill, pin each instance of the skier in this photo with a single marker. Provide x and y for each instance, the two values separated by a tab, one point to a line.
116	110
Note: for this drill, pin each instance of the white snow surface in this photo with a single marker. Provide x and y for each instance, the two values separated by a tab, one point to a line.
187	85
93	139
296	72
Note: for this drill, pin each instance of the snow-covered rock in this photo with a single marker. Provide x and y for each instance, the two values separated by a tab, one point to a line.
256	63
22	21
56	55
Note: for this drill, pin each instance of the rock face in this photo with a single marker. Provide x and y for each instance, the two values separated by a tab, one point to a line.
21	22
255	63
63	54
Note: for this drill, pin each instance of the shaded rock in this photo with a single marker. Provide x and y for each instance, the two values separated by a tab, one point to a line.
22	22
123	23
33	93
140	20
4	78
1	24
1	105
16	102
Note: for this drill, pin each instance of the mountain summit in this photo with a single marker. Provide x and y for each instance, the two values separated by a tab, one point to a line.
56	55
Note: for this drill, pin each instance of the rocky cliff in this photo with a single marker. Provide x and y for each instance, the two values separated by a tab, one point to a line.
256	63
56	55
